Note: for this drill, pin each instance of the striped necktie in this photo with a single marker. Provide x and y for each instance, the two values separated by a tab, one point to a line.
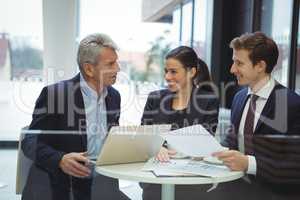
249	125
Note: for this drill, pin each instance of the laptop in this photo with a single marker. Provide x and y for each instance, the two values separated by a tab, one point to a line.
131	144
123	144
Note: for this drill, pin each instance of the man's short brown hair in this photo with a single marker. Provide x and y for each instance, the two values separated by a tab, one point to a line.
260	47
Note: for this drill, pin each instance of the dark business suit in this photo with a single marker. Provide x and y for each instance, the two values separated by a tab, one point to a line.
60	107
280	116
202	109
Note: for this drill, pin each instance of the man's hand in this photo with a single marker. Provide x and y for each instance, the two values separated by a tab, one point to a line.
235	160
164	154
71	164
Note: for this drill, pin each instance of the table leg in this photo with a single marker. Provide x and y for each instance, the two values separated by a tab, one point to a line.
168	192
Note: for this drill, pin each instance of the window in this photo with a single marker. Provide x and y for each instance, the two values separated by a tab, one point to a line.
276	22
203	15
176	25
297	86
142	48
21	63
186	30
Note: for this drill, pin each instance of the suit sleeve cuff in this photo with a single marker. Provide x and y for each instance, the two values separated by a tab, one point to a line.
251	165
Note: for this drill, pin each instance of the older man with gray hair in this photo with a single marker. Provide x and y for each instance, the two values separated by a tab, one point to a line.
88	103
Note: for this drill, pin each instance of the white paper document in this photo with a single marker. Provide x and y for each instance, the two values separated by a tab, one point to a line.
193	141
185	167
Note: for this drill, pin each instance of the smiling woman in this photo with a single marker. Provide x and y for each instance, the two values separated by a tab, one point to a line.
188	100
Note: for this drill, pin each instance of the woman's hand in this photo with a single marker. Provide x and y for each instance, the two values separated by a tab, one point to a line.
164	154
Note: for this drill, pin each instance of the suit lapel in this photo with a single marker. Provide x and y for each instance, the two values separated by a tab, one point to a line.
268	110
80	116
74	112
238	110
109	108
112	109
79	109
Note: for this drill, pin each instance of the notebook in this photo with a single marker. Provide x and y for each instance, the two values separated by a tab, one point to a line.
130	144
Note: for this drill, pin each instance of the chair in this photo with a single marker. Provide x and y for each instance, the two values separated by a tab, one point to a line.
224	124
279	158
35	187
23	166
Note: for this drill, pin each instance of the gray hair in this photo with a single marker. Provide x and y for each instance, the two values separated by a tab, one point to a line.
90	46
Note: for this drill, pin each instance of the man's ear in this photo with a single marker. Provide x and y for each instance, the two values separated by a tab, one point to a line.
88	69
262	66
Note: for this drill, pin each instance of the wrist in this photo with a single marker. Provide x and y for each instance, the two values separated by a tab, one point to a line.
60	162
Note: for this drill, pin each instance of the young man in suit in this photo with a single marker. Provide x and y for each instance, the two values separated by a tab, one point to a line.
264	107
87	103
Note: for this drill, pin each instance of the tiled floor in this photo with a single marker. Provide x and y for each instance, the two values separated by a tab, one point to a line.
8	167
8	164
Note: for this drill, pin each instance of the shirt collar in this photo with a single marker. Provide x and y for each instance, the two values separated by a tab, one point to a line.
265	91
90	92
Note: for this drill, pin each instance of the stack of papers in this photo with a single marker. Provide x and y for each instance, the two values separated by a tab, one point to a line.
194	142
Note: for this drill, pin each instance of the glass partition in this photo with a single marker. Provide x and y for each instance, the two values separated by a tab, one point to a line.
21	63
203	29
186	31
276	22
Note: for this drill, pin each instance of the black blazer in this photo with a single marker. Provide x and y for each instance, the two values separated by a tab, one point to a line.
280	116
202	108
60	107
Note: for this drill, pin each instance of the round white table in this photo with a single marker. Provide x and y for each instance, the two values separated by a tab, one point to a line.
132	172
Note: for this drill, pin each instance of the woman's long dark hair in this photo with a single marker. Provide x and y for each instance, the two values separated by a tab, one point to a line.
189	59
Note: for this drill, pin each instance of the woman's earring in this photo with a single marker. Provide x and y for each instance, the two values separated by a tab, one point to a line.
195	84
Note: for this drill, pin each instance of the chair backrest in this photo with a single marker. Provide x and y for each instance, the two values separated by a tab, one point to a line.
223	124
279	158
23	166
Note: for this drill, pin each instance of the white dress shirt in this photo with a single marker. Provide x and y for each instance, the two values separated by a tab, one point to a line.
263	95
96	120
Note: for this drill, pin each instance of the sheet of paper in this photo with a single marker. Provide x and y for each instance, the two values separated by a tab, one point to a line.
202	168
153	164
193	141
169	173
185	167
